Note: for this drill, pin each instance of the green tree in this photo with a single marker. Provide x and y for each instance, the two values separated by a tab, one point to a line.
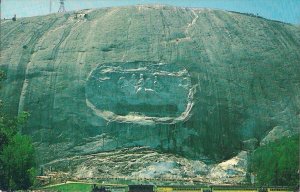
9	127
17	162
277	163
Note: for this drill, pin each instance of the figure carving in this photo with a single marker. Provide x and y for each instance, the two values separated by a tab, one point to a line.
147	91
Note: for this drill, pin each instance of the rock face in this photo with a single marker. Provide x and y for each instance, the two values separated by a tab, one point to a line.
198	83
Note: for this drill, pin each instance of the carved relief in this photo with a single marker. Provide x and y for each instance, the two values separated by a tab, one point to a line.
147	91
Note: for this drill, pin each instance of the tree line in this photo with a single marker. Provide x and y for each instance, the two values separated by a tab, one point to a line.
277	163
17	155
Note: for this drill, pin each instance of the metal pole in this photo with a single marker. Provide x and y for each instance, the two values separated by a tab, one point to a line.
50	10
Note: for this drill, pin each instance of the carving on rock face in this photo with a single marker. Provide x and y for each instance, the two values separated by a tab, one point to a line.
162	93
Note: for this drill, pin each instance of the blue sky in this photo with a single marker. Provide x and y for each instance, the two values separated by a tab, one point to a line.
282	10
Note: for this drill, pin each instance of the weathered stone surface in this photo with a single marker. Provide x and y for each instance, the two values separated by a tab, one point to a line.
231	171
275	134
228	78
250	144
133	163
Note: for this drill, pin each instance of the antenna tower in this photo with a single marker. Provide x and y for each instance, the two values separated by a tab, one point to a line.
62	6
50	3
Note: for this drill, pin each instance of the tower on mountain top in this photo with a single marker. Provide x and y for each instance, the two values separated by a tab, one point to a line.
62	6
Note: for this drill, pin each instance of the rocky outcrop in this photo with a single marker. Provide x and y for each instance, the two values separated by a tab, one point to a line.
275	134
143	163
198	83
231	171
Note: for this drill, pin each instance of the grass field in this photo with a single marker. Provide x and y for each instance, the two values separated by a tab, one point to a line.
74	187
